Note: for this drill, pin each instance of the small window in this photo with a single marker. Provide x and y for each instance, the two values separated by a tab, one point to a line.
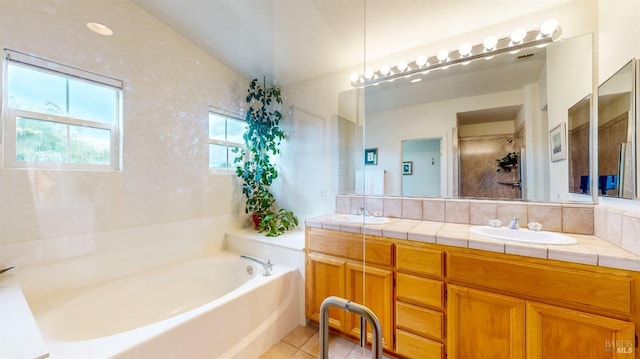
57	116
225	134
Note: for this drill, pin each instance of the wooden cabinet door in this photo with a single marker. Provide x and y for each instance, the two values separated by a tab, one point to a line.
484	325
373	288
325	277
558	333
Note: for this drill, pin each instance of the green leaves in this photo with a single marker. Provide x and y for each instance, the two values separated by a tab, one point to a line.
275	224
262	140
509	161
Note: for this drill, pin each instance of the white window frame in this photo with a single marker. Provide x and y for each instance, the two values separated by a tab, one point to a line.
228	144
10	116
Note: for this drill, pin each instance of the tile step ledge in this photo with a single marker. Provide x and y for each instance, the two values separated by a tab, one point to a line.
290	240
20	336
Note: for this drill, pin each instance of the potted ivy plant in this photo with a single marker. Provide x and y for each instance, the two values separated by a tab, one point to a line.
508	162
255	167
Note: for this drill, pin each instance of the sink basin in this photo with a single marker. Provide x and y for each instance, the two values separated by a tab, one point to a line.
360	219
522	235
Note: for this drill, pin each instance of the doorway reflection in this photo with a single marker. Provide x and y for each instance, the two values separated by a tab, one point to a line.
491	144
421	167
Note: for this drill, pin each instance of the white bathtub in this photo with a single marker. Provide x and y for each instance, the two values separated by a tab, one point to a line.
205	308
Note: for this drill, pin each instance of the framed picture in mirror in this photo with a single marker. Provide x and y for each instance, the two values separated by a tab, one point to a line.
407	168
558	143
370	156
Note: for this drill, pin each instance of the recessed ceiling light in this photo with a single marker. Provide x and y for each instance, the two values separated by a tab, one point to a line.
99	28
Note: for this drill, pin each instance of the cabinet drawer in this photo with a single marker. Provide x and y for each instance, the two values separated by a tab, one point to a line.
420	260
350	246
599	290
421	321
421	291
413	346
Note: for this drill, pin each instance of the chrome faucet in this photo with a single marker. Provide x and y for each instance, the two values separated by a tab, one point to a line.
515	223
6	269
268	266
364	211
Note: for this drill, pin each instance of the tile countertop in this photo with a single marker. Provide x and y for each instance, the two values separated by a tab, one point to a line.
589	249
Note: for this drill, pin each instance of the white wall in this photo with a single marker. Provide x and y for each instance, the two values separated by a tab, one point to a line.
169	84
487	128
618	35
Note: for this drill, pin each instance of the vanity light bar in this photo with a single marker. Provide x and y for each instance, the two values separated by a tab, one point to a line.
519	39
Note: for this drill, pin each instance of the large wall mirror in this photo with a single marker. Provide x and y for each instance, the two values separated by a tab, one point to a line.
484	114
579	144
616	133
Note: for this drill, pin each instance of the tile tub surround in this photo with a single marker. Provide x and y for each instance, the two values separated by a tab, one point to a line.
555	217
589	249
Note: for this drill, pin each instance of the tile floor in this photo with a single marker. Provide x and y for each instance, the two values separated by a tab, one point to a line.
303	343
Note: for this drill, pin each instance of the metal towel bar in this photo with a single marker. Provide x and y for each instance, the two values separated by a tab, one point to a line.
364	312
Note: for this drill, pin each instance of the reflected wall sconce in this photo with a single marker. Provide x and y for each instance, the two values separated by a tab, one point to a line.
492	45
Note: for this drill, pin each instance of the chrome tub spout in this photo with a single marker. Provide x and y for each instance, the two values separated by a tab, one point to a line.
6	269
268	266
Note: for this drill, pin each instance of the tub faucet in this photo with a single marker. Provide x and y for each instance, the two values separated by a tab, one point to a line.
515	223
6	269
364	211
266	265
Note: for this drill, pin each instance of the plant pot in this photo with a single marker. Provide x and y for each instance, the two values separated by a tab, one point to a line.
256	220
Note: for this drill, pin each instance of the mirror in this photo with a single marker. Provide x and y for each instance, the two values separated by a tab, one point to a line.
421	167
616	126
511	101
578	144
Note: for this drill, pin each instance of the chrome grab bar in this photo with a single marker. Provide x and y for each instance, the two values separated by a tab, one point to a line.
364	312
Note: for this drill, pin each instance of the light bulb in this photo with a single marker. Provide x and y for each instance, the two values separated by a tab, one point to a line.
465	49
402	65
443	55
421	60
385	69
490	43
354	77
518	35
549	27
368	74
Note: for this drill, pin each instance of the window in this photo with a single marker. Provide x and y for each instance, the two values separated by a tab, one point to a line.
225	134
57	116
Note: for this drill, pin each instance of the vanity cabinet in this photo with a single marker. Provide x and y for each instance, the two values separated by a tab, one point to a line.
488	325
334	266
585	314
484	325
451	302
554	332
374	287
326	278
420	300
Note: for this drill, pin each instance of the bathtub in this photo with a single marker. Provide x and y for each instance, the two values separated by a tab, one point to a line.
215	307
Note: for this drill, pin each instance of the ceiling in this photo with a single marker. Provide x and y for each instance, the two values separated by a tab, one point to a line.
294	40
